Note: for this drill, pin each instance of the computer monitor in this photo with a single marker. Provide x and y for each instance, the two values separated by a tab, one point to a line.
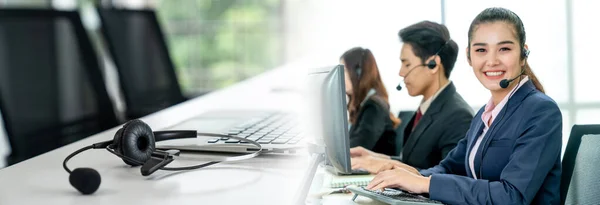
334	115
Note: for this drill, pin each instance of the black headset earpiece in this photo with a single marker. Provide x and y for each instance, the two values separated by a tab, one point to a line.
525	52
136	141
359	66
431	64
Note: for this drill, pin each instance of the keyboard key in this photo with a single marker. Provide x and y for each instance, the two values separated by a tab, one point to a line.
213	140
287	135
284	138
224	138
232	141
264	141
258	134
253	138
267	138
233	133
279	141
243	135
277	133
252	130
270	135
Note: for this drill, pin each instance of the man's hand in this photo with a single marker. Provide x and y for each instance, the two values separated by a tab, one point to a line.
361	152
370	163
396	164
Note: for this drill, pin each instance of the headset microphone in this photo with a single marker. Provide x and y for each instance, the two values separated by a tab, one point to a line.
85	180
399	87
504	82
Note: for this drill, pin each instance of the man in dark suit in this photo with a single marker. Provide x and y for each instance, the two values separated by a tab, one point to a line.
443	118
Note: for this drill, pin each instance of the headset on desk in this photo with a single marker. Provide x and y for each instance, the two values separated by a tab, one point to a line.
134	143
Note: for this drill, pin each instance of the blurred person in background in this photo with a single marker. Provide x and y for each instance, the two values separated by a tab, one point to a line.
372	125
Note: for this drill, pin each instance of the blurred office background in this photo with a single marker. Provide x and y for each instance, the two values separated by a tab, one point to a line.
216	43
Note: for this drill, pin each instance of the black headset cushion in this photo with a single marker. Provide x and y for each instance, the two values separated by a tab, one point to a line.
116	145
137	142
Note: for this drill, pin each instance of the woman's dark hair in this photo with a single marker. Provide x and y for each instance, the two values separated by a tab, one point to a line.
364	76
492	15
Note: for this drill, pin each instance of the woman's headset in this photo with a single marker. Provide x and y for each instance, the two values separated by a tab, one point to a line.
359	66
135	144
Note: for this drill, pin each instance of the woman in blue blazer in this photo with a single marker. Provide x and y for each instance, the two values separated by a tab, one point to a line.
511	153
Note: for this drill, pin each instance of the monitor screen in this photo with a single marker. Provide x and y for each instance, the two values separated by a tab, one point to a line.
334	119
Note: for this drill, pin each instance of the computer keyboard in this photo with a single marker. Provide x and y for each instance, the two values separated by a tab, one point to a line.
392	196
275	128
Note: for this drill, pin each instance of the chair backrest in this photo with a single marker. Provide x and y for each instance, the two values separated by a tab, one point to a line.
405	117
52	91
139	50
579	180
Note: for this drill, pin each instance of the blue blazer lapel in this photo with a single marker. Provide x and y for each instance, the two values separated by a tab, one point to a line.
473	135
511	106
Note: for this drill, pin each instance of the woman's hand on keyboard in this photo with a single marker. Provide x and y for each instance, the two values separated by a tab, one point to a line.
400	178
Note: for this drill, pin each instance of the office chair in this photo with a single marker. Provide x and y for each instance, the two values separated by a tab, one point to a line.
580	164
52	92
138	48
405	117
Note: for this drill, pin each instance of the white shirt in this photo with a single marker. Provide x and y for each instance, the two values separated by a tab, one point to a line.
425	104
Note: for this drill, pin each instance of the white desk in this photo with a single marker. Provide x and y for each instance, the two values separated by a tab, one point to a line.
318	193
263	180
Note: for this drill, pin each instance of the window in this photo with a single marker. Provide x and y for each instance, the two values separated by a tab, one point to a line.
585	49
215	43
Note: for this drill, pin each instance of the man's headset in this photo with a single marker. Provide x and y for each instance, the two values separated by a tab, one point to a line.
431	64
134	143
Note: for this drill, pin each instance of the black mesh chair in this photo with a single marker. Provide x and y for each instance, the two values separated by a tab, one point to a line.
579	181
405	117
138	48
52	92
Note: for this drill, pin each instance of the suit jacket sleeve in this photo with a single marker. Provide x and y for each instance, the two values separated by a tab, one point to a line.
369	128
534	154
453	163
456	129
